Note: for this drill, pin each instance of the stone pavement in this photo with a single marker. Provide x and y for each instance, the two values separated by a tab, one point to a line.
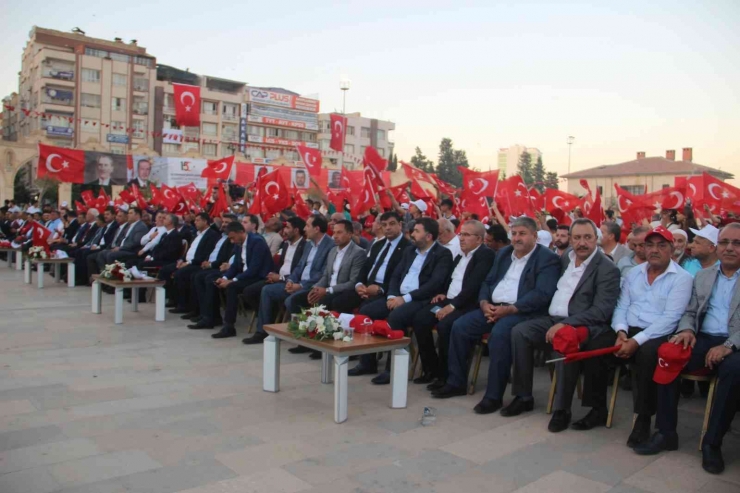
88	406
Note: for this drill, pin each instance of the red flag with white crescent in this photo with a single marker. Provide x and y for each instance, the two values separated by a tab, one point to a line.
557	199
59	163
365	200
415	173
338	131
219	169
169	197
40	236
478	184
312	159
187	105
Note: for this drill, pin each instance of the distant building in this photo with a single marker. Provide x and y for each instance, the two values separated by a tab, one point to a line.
508	157
361	132
10	117
641	175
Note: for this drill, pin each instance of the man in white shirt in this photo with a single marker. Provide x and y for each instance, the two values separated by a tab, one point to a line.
448	238
585	297
151	239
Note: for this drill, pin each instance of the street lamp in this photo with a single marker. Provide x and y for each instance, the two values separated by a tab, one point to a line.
344	86
570	143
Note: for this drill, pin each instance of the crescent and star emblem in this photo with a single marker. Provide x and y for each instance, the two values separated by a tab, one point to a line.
269	185
710	189
679	199
49	162
482	188
192	100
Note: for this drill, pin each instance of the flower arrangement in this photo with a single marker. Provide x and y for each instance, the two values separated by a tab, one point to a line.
37	252
116	271
316	323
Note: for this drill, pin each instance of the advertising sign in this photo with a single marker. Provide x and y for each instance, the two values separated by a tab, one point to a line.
282	123
117	139
257	95
281	142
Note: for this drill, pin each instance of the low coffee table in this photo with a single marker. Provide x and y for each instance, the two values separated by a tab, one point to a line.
10	252
341	351
57	263
119	286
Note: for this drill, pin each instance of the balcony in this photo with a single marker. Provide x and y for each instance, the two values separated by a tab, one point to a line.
229	117
141	84
141	109
168	109
51	95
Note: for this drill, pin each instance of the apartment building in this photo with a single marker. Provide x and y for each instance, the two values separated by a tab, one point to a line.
10	117
361	132
508	157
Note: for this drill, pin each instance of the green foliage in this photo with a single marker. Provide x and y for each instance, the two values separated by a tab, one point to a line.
551	180
449	160
538	173
525	168
420	161
392	162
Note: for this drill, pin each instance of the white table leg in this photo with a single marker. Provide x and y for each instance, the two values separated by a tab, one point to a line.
18	260
159	300
9	259
27	273
340	388
58	272
71	275
97	297
40	274
271	364
119	306
399	378
134	299
325	368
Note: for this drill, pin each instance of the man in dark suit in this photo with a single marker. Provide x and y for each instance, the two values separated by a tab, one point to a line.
375	277
74	236
252	262
105	236
460	297
166	251
143	172
419	277
585	297
130	241
519	286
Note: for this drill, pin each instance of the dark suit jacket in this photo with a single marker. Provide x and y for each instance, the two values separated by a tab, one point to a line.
132	243
187	233
168	249
318	264
296	256
475	274
71	230
435	269
205	247
224	253
375	251
259	260
538	283
110	234
594	299
81	234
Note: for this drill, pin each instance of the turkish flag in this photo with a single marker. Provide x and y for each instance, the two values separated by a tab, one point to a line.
312	159
126	196
537	199
60	163
717	194
221	205
666	198
626	200
418	191
477	205
40	235
398	192
181	207
555	199
156	199
301	209
365	200
219	169
443	186
637	215
338	131
376	181
80	207
416	174
373	159
591	205
169	197
272	194
187	105
140	200
513	197
88	198
189	191
478	184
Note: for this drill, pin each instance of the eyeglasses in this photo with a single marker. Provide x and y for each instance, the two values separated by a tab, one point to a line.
726	243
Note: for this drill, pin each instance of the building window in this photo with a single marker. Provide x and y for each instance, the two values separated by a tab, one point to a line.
170	123
120	80
97	53
210	108
273	154
210	128
273	132
140	60
365	133
601	189
228	132
324	144
189	146
141	84
118	128
169	102
308	137
230	112
290	134
140	129
349	149
666	186
117	150
381	135
634	189
90	100
255	152
90	75
141	107
350	130
209	149
117	104
381	151
254	130
171	148
290	155
119	57
362	150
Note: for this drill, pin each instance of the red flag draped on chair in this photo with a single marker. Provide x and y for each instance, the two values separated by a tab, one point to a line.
59	163
338	130
187	105
312	159
219	169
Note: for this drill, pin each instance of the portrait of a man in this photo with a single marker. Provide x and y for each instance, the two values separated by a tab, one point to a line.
142	172
300	178
335	179
102	169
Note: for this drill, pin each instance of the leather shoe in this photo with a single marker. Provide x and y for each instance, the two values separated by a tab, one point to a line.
201	325
438	383
425	378
487	406
711	459
361	370
383	379
595	417
298	350
180	310
448	391
517	407
315	355
257	338
640	433
559	421
190	316
225	332
657	444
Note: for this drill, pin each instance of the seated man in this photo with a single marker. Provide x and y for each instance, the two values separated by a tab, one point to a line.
416	280
167	249
460	297
518	287
128	243
585	297
86	256
653	298
252	261
711	326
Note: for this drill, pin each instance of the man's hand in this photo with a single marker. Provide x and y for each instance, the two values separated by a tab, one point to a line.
223	283
716	355
179	264
115	249
487	310
443	312
272	277
499	312
154	235
316	294
141	252
292	287
205	264
224	267
628	346
372	290
438	298
684	338
552	331
394	303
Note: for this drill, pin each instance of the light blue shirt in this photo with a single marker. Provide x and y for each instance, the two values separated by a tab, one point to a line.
718	310
306	275
214	254
411	281
380	276
54	225
692	266
626	264
655	308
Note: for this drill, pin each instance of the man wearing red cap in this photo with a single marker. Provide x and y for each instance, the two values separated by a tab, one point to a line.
654	297
585	296
711	326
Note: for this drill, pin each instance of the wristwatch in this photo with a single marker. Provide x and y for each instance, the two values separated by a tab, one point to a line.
729	345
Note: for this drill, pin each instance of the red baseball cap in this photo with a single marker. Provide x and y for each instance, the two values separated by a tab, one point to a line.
662	232
568	339
671	360
369	220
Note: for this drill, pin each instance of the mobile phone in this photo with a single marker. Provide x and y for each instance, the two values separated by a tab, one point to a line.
435	309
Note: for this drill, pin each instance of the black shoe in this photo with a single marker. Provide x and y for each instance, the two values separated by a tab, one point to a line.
383	379
226	331
257	338
595	417
703	389
517	407
657	444
298	350
559	421
190	316
711	459
438	383
361	370
640	433
202	325
425	378
449	391
170	304
315	355
488	406
180	310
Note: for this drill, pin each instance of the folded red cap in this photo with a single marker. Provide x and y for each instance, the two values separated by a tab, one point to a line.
383	329
568	339
362	324
662	232
671	360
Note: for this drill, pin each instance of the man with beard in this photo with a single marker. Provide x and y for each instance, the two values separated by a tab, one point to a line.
562	239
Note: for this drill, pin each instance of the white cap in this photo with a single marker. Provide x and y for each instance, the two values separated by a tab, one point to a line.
680	232
405	205
65	204
124	207
15	208
420	204
544	238
709	232
33	210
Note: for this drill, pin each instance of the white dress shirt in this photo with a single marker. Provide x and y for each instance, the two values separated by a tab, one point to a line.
380	276
458	274
454	246
411	281
314	246
288	260
507	291
214	254
150	242
244	255
567	285
335	268
191	251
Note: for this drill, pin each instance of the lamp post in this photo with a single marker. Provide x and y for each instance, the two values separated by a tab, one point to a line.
344	86
570	144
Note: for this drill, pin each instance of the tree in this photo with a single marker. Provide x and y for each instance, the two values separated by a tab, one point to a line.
551	180
48	188
420	161
538	174
525	168
449	160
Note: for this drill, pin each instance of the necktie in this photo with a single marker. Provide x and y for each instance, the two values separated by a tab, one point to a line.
121	235
374	273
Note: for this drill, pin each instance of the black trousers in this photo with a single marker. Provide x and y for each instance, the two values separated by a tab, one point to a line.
349	301
81	273
203	291
642	365
92	263
300	301
233	291
423	323
179	282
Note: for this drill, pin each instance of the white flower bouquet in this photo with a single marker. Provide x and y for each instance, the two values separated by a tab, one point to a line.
37	252
315	323
117	271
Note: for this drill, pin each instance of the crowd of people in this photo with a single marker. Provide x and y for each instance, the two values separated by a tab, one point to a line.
665	298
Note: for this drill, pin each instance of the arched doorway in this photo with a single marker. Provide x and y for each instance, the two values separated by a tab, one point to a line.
24	191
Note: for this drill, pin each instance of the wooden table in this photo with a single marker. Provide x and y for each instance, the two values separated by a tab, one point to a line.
119	286
341	351
57	263
18	257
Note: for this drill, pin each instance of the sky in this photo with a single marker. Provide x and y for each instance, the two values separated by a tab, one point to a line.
619	77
